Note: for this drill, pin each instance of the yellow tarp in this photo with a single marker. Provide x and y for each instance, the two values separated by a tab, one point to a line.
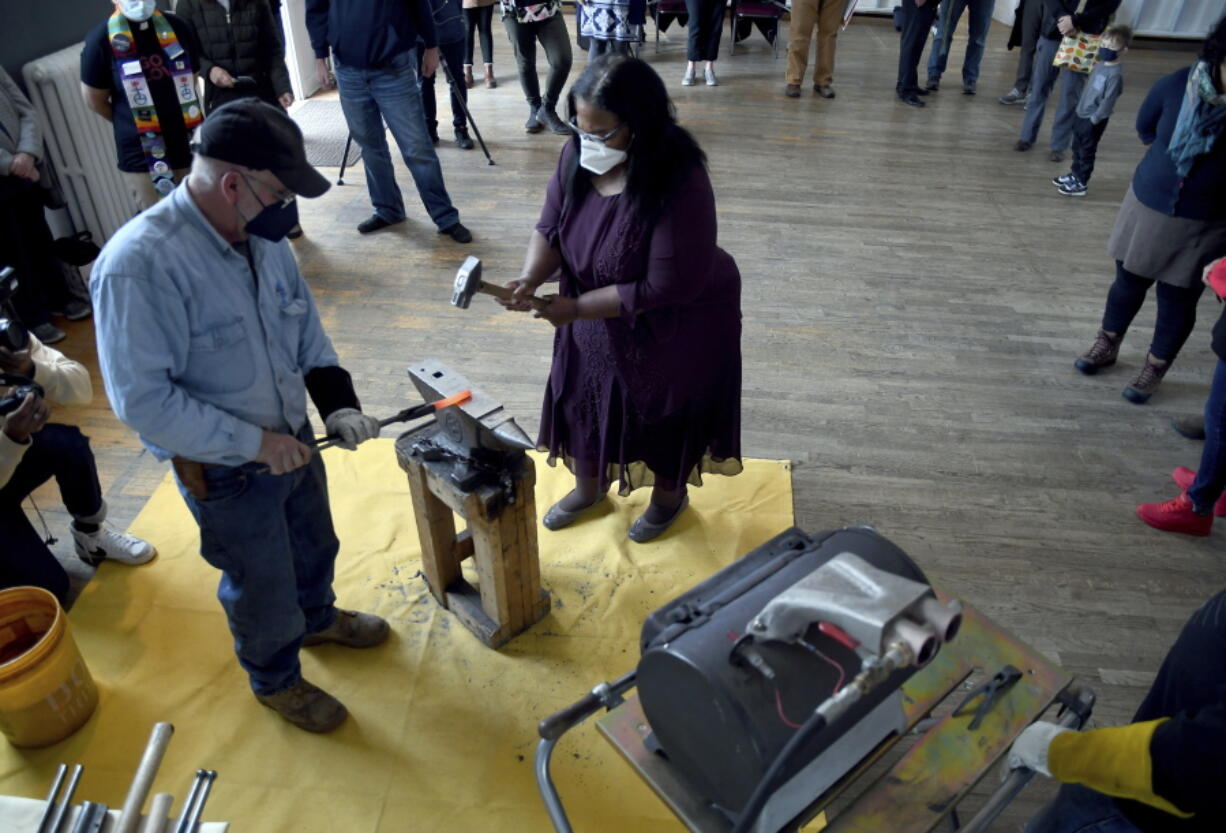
442	730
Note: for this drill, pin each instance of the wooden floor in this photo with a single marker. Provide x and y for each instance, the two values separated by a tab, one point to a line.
914	295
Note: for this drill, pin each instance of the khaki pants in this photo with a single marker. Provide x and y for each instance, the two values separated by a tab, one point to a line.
140	187
827	16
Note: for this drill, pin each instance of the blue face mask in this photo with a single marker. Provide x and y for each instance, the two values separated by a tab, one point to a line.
274	221
1106	55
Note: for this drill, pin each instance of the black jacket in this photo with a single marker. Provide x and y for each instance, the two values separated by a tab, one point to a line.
369	34
243	41
1188	752
1092	21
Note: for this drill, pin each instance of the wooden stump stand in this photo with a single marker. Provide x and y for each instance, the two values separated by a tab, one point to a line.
501	540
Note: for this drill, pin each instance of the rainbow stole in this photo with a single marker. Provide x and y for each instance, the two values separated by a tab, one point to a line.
140	98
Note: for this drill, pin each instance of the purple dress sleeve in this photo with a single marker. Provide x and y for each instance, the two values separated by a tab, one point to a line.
681	253
550	222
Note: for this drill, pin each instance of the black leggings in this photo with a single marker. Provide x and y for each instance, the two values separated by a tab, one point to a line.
1176	311
479	20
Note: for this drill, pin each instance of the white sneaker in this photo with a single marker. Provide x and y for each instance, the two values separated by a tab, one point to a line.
687	80
709	75
106	544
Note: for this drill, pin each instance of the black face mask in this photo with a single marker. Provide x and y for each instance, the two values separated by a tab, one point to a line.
274	221
1106	55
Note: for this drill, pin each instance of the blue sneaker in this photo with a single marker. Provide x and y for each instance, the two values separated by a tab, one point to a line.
1063	179
1076	188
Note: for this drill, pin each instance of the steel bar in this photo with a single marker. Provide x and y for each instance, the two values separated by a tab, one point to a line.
194	819
58	821
1019	778
185	811
51	796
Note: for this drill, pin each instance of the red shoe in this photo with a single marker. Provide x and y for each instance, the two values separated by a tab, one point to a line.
1184	477
1175	516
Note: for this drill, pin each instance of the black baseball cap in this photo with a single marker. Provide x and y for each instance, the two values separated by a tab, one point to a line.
263	137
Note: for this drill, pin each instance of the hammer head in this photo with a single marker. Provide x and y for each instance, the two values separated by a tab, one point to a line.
467	281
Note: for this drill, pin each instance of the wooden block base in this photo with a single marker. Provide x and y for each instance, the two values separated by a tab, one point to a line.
500	538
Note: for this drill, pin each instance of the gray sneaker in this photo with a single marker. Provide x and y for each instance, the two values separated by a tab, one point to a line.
76	310
48	333
307	706
1013	97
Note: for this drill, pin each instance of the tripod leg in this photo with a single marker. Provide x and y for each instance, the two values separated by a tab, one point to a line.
340	178
469	116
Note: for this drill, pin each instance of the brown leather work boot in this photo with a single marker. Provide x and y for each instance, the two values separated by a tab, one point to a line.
1101	354
307	706
1142	387
351	629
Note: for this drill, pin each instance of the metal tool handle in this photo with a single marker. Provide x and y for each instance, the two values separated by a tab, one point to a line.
58	821
155	749
1019	778
186	811
560	722
59	774
192	820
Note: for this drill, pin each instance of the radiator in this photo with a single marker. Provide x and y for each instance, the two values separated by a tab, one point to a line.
80	145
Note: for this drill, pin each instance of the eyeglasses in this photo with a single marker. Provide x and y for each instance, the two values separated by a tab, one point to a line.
603	138
284	198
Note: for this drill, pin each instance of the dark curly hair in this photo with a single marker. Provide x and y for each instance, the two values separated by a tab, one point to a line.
1213	51
661	152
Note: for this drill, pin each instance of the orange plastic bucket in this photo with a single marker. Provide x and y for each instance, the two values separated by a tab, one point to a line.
46	692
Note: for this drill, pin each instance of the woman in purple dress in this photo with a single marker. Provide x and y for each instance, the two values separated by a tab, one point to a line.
645	387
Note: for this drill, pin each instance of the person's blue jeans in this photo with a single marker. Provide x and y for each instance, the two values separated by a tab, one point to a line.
1042	80
1211	474
272	538
977	38
369	97
1078	809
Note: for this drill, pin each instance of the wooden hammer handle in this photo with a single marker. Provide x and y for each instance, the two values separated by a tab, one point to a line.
506	293
159	739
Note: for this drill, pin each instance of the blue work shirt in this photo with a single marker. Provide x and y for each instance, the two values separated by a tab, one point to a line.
198	355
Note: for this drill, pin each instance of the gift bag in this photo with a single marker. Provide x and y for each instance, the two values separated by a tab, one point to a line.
1078	52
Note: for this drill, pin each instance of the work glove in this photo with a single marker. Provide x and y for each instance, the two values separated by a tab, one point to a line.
351	427
1029	751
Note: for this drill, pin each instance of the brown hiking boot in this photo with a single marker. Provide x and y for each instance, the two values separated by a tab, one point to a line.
1142	387
1101	354
307	707
351	629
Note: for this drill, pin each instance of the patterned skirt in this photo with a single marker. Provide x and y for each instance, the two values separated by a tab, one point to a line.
613	20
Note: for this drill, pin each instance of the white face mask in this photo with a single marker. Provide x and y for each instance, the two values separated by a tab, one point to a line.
597	157
137	10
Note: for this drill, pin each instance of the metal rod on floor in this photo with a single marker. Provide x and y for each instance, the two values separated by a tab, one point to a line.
340	178
464	107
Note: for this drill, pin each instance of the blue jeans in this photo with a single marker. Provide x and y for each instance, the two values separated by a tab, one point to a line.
980	22
1042	80
1078	809
369	97
1211	474
272	538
